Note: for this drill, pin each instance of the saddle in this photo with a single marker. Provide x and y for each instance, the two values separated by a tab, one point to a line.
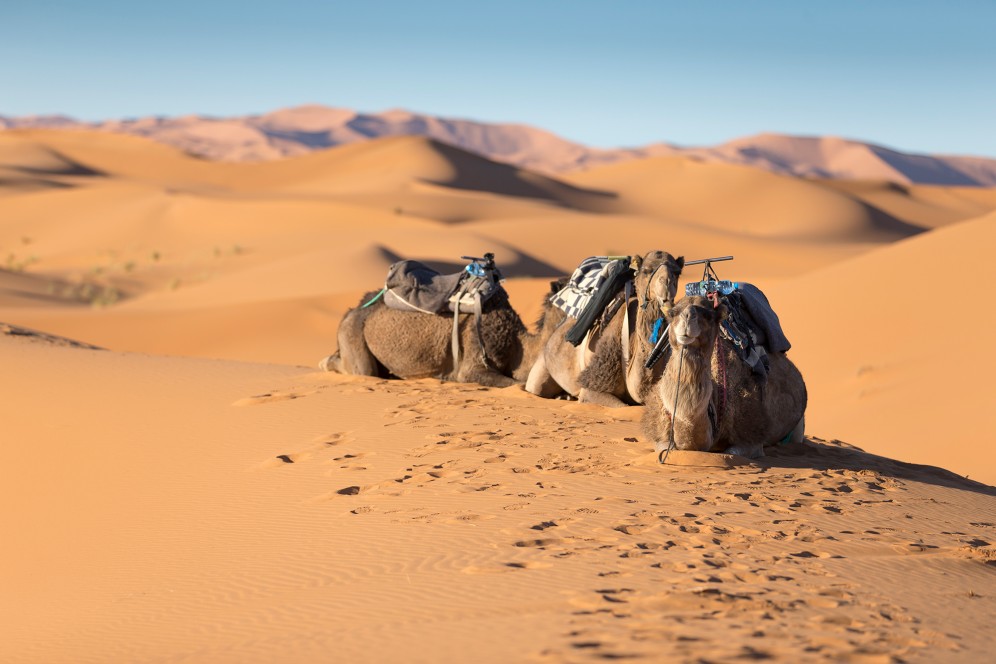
752	326
414	286
595	284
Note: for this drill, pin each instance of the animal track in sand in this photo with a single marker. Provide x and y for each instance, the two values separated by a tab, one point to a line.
278	395
316	449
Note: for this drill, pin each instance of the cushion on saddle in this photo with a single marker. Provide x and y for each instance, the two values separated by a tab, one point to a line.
752	326
764	318
586	281
414	286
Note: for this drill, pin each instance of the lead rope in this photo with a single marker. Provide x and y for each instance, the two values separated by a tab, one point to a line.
662	456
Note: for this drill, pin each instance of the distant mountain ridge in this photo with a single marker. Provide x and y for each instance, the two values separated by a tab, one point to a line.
302	129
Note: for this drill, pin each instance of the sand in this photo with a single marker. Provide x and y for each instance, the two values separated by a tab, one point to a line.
302	129
197	492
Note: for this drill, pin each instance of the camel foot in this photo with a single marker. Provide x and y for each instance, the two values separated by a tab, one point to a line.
330	363
601	398
487	378
746	450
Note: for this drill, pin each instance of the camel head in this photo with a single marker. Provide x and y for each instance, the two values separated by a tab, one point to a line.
656	279
695	323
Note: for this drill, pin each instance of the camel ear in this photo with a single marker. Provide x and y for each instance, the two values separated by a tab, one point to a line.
680	260
636	263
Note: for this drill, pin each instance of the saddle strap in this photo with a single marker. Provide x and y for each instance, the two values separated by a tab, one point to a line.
625	326
477	322
455	338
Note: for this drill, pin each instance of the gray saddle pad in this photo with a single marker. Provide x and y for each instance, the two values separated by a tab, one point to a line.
414	286
764	318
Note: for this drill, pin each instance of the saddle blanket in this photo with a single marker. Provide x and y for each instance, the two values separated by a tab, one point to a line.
414	286
589	276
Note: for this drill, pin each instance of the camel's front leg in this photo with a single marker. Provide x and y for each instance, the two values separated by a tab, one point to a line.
540	382
475	373
331	363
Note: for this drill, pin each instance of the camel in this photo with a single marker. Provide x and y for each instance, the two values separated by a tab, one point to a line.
601	370
375	340
706	373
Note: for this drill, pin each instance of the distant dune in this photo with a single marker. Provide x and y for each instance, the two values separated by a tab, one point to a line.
295	131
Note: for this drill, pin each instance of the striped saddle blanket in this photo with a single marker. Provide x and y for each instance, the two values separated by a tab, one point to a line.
587	279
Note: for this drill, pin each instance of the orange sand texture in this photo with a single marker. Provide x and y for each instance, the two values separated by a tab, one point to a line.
200	493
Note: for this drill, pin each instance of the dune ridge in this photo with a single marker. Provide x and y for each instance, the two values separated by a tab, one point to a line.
298	130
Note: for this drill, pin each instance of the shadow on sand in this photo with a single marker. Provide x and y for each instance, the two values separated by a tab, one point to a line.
819	454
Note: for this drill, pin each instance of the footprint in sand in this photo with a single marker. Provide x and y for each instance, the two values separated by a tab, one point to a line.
315	449
277	395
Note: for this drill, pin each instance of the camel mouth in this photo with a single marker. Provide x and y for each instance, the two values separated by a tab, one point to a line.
684	339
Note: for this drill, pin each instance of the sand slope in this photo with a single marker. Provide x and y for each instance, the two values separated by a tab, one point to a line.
299	130
896	347
197	509
296	516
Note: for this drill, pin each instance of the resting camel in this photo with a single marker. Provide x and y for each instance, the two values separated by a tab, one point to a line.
377	341
712	376
601	370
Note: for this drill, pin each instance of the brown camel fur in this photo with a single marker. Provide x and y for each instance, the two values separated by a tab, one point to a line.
378	341
752	417
596	372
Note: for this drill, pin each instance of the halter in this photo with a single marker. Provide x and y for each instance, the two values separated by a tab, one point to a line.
646	291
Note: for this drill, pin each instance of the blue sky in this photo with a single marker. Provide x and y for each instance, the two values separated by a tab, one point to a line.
919	76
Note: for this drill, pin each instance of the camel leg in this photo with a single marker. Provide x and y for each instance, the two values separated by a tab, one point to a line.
331	363
473	373
355	357
798	434
601	398
540	382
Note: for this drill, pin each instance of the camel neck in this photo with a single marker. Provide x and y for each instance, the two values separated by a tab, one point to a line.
691	373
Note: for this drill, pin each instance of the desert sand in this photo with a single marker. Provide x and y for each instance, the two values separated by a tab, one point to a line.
301	129
182	485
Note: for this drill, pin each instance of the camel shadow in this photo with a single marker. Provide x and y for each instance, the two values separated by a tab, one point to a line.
819	454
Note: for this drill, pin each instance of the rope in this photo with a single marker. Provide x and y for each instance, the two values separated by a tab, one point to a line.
663	455
374	298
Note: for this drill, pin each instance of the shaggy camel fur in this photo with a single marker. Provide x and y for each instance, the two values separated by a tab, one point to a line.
752	415
378	341
597	371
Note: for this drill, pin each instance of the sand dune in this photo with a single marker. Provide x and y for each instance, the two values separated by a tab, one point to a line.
207	509
903	357
296	131
743	201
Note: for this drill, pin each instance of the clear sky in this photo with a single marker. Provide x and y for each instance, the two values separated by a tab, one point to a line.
916	75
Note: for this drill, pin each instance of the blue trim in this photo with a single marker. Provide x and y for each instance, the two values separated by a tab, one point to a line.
657	330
